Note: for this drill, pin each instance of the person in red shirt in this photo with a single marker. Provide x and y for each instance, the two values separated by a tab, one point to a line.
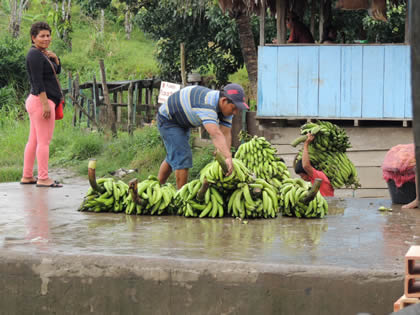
305	170
299	32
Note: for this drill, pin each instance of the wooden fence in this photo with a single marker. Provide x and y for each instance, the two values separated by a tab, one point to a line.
139	97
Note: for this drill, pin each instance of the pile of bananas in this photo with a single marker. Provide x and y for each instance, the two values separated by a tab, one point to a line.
327	153
214	174
295	200
259	157
254	200
197	199
336	166
150	197
329	137
108	196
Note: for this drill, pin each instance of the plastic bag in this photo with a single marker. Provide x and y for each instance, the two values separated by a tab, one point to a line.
400	164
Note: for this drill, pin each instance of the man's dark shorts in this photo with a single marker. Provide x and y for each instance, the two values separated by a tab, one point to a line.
176	140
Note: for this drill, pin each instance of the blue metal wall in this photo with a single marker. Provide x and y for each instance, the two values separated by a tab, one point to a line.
335	81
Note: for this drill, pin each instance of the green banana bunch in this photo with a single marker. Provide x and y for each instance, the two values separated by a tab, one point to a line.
254	200
151	198
189	203
329	137
336	166
258	155
292	200
112	199
213	173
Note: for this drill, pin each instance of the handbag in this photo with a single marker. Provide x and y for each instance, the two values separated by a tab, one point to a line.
59	113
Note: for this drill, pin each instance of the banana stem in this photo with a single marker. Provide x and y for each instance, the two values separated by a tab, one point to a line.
314	190
298	140
92	177
202	192
221	159
132	187
257	191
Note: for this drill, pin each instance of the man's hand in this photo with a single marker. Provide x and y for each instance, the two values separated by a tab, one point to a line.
309	138
229	163
52	55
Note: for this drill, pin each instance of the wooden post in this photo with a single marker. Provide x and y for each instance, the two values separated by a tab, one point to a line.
88	110
183	71
321	19
69	85
119	101
110	111
415	78
281	10
115	107
130	108
262	24
76	93
82	104
313	13
407	23
95	99
135	96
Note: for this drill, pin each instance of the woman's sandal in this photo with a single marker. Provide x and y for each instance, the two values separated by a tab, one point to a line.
55	184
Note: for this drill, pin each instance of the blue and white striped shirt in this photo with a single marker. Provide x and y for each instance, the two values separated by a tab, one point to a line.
194	106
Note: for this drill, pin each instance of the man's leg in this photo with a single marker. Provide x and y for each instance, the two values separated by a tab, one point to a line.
165	171
181	177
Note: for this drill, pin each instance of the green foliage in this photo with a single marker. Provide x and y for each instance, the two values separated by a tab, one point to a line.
86	147
216	48
392	31
12	64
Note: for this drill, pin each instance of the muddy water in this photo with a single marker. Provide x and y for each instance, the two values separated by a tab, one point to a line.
355	233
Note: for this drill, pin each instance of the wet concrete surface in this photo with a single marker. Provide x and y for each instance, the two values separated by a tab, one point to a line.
354	235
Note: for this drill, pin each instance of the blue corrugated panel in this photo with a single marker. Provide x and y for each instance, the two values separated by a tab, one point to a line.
396	65
408	113
329	81
351	82
308	66
267	81
335	81
373	82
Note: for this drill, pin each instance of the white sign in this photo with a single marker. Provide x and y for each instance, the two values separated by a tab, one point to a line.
166	90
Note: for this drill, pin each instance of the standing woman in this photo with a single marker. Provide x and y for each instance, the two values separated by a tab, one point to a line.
41	103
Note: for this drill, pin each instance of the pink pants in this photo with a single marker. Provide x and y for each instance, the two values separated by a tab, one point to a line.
40	135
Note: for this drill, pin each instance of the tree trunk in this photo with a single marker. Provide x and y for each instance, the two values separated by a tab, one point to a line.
16	12
262	24
415	77
313	12
66	10
321	19
128	25
249	51
281	12
102	29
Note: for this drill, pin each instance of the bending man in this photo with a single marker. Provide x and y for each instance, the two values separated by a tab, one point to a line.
191	107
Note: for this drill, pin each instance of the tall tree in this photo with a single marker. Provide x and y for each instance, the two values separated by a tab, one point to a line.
16	11
62	20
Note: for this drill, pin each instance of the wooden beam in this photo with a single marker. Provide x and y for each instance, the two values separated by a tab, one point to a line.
107	101
262	23
183	71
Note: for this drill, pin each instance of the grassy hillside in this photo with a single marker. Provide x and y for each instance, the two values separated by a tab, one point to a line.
124	59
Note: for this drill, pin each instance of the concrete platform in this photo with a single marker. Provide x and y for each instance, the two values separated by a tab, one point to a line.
57	260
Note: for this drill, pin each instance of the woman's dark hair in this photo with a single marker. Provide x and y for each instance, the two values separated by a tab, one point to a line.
299	168
38	27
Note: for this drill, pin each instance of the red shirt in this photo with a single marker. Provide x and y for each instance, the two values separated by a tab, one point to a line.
326	188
